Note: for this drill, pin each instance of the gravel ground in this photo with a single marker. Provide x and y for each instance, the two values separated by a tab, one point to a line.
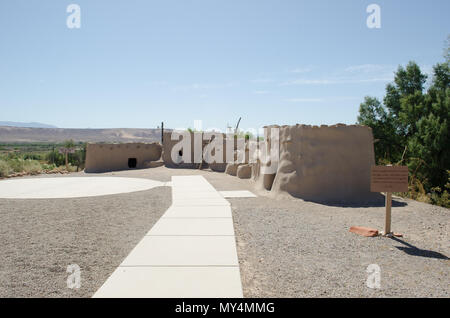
286	248
292	248
40	238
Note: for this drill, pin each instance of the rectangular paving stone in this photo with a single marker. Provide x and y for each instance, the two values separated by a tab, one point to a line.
237	194
220	211
199	201
173	282
193	226
183	251
196	195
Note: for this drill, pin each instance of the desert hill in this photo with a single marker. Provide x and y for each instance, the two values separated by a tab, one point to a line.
27	135
21	124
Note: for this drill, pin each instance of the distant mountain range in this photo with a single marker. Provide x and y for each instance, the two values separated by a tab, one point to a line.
20	124
16	134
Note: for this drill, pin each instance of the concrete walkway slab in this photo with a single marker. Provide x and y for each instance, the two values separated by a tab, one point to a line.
196	182
237	194
196	195
183	251
173	282
201	202
193	226
198	212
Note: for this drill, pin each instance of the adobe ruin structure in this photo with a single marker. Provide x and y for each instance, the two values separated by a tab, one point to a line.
323	164
196	139
169	144
113	157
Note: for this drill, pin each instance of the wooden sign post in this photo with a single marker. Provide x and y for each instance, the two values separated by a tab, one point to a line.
388	204
388	179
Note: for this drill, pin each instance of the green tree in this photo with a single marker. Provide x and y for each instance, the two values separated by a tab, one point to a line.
404	99
373	114
431	142
413	125
79	157
69	144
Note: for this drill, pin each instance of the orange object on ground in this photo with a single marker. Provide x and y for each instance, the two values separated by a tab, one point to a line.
364	231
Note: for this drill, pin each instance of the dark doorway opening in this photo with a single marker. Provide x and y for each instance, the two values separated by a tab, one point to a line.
132	162
180	153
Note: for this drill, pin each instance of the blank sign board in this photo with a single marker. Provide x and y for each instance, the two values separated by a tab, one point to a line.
389	179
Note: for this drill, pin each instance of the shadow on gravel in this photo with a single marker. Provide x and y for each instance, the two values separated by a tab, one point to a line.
378	201
415	251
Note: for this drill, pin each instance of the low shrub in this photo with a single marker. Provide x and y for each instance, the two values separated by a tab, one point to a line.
31	166
5	169
21	165
48	166
16	164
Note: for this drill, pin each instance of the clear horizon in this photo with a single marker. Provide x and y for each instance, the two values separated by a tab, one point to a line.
133	64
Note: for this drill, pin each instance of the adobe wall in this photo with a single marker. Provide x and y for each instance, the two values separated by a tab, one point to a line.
263	173
326	163
168	145
113	157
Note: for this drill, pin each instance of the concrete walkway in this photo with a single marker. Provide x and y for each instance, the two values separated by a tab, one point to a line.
237	194
189	252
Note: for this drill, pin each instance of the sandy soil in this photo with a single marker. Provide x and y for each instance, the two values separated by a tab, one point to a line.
286	248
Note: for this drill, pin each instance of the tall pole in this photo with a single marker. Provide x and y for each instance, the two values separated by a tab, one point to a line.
162	132
237	126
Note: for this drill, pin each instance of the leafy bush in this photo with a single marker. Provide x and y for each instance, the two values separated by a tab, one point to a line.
440	197
36	158
48	167
5	169
21	165
16	164
76	159
54	157
32	156
32	166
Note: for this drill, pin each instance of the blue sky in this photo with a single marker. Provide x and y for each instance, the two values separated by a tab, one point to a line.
137	63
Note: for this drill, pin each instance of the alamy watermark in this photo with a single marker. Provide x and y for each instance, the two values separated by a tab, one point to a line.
374	279
73	21
374	19
74	279
214	146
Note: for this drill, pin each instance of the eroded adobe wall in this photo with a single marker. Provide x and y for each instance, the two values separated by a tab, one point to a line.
169	144
264	171
113	157
326	163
